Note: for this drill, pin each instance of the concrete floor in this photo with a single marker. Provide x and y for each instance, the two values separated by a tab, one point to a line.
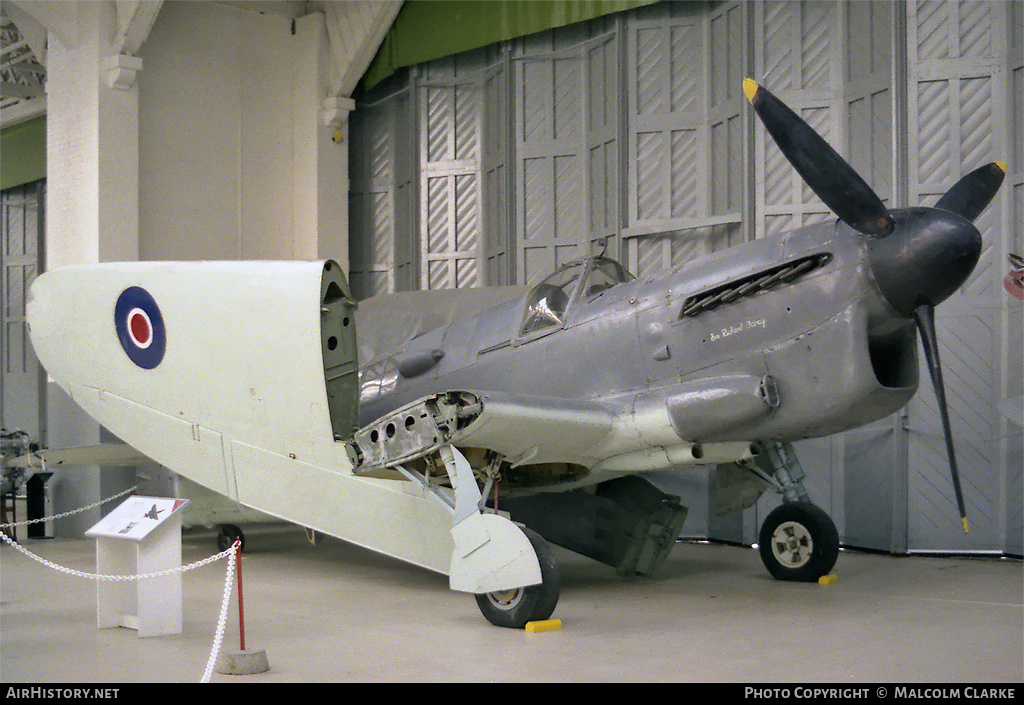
335	612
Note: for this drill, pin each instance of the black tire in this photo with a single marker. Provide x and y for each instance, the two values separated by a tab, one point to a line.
798	542
227	535
514	608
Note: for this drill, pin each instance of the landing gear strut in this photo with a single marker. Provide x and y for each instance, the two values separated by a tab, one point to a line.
798	540
511	570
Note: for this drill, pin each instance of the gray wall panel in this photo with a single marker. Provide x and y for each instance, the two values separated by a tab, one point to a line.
959	105
1013	223
450	123
21	380
874	505
873	466
380	195
968	372
552	174
684	134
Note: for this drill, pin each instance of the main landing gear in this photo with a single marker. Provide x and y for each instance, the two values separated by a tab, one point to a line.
798	541
510	570
514	608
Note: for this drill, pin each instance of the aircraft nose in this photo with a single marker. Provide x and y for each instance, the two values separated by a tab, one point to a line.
929	254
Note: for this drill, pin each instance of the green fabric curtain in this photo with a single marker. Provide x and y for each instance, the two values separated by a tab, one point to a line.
23	153
429	29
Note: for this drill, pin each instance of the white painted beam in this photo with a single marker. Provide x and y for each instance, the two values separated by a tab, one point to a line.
60	18
356	30
135	19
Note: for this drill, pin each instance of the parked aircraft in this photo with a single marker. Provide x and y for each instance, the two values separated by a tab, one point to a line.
204	508
483	420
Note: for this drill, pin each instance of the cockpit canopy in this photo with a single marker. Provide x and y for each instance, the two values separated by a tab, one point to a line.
548	302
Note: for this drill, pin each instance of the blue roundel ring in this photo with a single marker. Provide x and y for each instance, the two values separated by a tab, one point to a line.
140	327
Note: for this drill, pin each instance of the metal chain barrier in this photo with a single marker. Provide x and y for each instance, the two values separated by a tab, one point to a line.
223	618
230	554
116	578
73	511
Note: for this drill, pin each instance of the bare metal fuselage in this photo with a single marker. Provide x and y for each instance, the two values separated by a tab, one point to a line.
708	348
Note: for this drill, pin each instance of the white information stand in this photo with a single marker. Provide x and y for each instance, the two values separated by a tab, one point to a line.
142	535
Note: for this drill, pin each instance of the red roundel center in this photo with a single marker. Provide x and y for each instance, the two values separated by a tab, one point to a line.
140	328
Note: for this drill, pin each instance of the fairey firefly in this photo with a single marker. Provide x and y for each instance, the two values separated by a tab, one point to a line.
484	423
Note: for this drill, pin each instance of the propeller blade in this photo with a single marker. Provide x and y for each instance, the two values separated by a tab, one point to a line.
824	171
972	194
925	317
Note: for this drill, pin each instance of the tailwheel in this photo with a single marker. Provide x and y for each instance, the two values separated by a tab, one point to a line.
798	542
227	535
514	608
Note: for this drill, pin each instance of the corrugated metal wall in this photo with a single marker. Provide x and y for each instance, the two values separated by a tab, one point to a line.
492	167
960	107
682	202
21	225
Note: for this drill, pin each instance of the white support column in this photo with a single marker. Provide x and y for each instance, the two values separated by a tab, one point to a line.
118	159
92	145
92	212
321	182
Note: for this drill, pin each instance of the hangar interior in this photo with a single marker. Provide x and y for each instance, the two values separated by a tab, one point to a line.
235	130
504	146
428	148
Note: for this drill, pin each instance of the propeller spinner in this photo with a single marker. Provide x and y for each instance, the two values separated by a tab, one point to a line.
918	257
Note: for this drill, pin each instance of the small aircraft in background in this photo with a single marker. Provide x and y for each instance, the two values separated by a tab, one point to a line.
204	509
1014	281
1013	407
463	430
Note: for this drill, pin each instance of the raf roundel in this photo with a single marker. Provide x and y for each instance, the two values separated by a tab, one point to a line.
140	327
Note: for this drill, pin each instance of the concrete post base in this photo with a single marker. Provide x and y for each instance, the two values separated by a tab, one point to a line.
242	663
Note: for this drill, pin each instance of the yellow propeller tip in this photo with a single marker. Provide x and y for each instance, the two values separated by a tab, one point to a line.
1001	165
965	524
750	88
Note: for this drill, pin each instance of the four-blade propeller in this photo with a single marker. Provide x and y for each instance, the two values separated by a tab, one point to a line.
918	257
822	169
972	194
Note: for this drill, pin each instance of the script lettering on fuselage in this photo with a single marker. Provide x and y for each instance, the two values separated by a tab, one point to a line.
745	325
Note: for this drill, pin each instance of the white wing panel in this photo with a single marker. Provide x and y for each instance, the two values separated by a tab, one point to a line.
394	517
187	448
234	395
539	429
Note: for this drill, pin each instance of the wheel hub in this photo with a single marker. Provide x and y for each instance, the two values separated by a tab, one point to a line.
792	544
505	599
